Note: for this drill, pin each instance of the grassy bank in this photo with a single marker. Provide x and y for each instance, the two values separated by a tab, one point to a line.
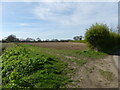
25	68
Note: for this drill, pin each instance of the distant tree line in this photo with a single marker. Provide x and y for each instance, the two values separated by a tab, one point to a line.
13	38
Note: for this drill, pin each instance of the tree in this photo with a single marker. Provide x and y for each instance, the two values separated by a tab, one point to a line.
47	40
55	40
3	40
77	38
12	38
30	39
22	40
38	39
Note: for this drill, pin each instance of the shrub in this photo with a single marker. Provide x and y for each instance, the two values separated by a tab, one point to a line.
99	37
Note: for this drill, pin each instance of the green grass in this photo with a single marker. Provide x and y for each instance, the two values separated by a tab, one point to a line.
81	62
81	57
79	54
79	41
106	74
91	54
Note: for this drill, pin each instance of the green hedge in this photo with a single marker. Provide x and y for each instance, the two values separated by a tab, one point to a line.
99	37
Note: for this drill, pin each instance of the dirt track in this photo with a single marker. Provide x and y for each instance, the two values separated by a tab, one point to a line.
61	45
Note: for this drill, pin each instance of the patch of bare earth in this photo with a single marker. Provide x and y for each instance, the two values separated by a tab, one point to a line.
89	75
61	45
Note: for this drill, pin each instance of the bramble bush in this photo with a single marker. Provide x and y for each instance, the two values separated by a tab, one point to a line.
101	38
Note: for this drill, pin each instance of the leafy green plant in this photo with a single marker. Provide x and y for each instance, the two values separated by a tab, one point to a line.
98	36
23	68
81	62
106	74
101	38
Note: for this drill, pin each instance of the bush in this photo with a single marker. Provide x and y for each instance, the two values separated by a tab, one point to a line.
99	37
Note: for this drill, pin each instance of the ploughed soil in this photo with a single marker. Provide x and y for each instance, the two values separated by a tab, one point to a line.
61	45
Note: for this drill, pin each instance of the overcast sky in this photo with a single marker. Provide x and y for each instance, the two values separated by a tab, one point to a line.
61	20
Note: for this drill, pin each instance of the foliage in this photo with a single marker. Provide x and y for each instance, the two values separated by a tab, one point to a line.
81	62
106	74
90	54
22	68
4	46
115	39
99	37
30	40
77	38
38	39
11	38
79	41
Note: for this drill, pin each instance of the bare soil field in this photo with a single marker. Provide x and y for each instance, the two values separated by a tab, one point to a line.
61	45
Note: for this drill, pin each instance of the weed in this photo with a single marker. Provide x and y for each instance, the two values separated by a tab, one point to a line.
81	62
106	74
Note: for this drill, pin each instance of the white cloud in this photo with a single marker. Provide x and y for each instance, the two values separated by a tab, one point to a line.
52	11
77	13
24	24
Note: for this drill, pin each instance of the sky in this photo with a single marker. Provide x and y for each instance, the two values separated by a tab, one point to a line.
54	20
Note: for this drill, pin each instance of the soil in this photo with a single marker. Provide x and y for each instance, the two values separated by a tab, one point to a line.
89	76
61	45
